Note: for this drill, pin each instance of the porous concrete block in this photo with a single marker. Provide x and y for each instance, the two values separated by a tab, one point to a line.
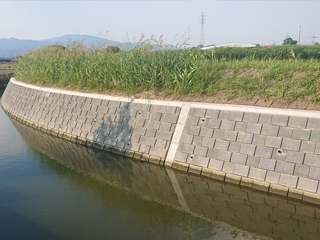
221	144
241	170
228	167
234	147
314	173
224	114
265	152
197	140
144	149
244	137
303	134
240	126
139	106
224	155
301	170
186	138
313	123
312	160
165	126
213	123
248	149
197	112
150	133
288	180
295	157
274	142
239	158
291	144
308	147
230	135
86	127
272	177
212	153
265	118
164	135
317	149
158	152
171	110
143	115
193	121
254	128
154	116
215	164
279	120
257	173
206	132
152	125
284	167
158	108
169	118
194	130
180	156
200	151
188	148
251	117
297	122
212	113
161	143
315	135
200	161
105	102
270	130
218	134
227	125
268	164
307	184
208	142
236	116
258	139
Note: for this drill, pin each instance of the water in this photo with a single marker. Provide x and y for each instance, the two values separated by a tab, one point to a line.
54	189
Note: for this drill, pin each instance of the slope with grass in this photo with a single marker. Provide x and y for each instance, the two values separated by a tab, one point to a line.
281	76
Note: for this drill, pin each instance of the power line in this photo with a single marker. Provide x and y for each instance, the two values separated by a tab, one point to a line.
313	37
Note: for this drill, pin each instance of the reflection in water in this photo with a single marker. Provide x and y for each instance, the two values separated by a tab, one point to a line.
210	203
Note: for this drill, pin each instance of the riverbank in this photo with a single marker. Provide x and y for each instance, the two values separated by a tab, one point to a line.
272	150
6	72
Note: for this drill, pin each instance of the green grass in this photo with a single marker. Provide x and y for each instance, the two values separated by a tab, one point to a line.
282	72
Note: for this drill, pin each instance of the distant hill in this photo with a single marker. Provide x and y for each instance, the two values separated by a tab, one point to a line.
11	47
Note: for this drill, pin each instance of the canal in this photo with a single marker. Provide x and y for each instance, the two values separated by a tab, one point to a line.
54	189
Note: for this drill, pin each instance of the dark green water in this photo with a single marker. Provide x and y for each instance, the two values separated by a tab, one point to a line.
54	189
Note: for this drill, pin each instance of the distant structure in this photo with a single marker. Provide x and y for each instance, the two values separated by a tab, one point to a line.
230	45
202	37
313	37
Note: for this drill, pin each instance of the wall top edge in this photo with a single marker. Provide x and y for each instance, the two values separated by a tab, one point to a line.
225	107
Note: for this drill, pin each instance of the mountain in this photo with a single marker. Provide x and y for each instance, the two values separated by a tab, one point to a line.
11	47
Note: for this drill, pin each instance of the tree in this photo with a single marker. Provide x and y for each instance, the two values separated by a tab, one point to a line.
288	40
113	49
316	43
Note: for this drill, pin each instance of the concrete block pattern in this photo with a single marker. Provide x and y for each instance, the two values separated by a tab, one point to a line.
280	120
284	167
303	134
297	122
308	184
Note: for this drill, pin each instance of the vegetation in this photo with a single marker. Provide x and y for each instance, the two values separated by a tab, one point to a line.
6	72
286	72
289	40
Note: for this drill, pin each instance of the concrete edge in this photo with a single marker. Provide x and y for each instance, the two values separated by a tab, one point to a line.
226	107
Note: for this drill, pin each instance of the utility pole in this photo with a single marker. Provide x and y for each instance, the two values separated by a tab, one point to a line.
202	37
313	37
299	32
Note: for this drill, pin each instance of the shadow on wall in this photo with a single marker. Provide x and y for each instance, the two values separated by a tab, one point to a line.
275	217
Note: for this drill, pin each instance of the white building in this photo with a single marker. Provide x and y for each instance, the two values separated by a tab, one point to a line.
229	45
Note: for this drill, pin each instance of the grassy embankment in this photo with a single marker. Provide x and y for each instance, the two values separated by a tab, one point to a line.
278	76
6	72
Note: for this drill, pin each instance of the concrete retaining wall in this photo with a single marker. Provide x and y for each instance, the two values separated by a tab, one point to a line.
272	150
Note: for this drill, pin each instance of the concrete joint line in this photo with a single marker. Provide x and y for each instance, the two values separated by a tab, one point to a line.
177	135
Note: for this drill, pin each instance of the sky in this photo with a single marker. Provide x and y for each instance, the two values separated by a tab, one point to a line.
259	22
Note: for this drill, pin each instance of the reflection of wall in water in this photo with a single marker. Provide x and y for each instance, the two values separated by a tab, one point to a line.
271	216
